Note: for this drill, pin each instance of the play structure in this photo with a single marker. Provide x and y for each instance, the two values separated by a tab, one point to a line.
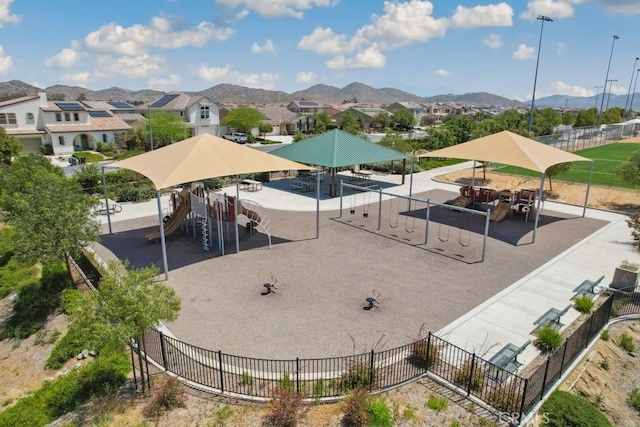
213	214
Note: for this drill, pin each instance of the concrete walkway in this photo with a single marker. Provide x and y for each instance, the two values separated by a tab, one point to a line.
506	317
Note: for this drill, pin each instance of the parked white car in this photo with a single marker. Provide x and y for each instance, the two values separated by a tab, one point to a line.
238	137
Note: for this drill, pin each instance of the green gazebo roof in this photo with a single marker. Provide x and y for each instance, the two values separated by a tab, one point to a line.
337	149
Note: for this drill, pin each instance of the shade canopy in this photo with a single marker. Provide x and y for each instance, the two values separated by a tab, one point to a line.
509	148
337	149
201	157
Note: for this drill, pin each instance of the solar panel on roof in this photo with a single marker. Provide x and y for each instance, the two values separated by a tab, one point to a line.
163	101
120	104
308	103
69	106
99	114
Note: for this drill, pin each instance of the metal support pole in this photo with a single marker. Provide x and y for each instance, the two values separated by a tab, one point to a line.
540	195
165	263
379	207
606	79
630	82
106	197
318	204
341	194
426	231
586	197
411	184
486	233
236	203
535	79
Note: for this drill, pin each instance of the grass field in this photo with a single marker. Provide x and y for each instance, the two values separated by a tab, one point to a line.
606	157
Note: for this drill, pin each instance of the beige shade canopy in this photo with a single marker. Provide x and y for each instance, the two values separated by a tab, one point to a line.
508	148
201	157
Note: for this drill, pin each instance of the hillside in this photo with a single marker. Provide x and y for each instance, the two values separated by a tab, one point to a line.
476	98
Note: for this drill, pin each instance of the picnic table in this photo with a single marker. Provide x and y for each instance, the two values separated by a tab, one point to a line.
110	206
303	186
361	175
250	185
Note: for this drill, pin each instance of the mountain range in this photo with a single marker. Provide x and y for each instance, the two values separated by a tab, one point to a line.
354	92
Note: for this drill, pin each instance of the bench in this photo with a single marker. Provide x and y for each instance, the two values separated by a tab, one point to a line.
370	185
307	175
587	288
505	362
360	175
251	185
551	318
303	186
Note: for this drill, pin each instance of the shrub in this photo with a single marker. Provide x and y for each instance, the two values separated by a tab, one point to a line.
286	382
71	300
246	379
437	403
626	342
358	375
604	364
506	398
285	409
319	387
168	394
423	355
583	304
633	399
380	413
356	408
132	193
548	339
565	409
465	378
605	335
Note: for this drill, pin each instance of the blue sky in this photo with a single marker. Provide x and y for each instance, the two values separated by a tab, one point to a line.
289	45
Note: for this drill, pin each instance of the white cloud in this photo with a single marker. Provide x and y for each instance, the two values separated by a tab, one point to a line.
443	73
134	40
66	58
6	62
227	75
256	80
76	79
6	15
551	8
631	7
276	8
617	90
172	82
561	48
324	41
211	74
267	47
144	65
562	88
493	15
494	41
308	77
524	52
368	58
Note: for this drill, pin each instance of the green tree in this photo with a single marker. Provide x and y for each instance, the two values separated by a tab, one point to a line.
404	119
612	115
556	170
545	120
438	138
382	120
166	128
349	124
586	118
10	147
489	127
512	120
629	171
89	178
320	127
462	127
396	142
568	119
134	139
127	302
322	117
48	212
243	119
265	128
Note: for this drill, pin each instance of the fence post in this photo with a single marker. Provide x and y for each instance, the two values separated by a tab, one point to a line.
586	344
544	378
297	375
564	352
133	365
428	348
140	363
162	350
524	397
221	373
371	371
610	306
473	365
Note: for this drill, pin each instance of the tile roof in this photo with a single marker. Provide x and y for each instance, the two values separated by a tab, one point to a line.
24	132
18	100
95	124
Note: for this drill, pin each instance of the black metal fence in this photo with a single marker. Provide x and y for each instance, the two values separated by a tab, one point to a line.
463	371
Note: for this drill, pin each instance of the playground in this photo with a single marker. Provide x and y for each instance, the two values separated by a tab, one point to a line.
323	283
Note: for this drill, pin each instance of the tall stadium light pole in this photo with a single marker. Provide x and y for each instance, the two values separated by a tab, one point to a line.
630	82
609	96
634	91
597	88
535	79
606	79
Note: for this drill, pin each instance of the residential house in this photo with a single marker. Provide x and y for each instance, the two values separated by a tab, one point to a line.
284	122
71	127
364	115
306	107
414	107
21	118
200	113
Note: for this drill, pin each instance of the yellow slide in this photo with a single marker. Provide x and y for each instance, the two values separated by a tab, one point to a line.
176	219
500	212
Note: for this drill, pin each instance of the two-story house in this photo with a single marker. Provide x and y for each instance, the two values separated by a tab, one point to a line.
21	118
200	113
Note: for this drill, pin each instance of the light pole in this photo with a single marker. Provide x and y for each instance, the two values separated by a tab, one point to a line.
630	81
634	91
606	79
597	88
150	129
609	95
535	79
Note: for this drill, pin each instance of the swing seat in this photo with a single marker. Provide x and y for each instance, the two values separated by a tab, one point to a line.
373	301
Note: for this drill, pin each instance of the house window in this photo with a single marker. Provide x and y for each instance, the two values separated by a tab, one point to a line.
104	137
8	119
181	113
76	117
61	140
67	117
29	116
204	112
58	117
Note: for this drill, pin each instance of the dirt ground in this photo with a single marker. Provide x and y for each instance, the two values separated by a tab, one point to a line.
601	197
